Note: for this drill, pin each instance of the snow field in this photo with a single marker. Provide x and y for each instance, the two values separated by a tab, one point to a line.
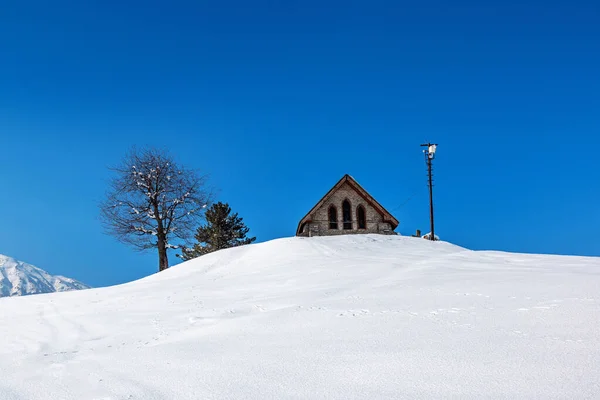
349	317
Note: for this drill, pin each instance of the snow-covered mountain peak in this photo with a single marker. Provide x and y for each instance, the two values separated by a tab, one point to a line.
19	279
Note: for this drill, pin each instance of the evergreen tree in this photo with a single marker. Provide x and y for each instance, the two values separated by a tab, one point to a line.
222	230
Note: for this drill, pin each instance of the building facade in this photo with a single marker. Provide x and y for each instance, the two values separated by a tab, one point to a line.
347	209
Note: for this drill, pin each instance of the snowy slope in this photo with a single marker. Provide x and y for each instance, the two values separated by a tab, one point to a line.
18	279
349	317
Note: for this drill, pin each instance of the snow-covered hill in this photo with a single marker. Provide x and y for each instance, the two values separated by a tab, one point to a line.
349	317
18	279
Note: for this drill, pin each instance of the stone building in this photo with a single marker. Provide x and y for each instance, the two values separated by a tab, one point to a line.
347	209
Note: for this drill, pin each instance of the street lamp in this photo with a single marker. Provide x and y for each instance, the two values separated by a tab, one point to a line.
429	156
431	150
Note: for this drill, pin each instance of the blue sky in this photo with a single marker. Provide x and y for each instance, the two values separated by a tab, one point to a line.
277	100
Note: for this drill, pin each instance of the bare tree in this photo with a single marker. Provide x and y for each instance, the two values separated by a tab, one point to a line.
153	202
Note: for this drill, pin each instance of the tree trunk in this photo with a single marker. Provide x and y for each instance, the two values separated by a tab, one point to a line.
163	260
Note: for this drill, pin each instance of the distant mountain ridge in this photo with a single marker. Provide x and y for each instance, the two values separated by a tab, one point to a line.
18	278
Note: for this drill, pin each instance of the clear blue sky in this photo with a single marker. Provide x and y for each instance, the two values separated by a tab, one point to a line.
276	100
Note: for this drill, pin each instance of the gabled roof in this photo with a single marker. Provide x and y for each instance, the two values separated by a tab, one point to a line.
387	217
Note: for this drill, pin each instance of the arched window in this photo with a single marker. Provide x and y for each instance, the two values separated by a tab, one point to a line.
361	217
333	218
302	227
347	214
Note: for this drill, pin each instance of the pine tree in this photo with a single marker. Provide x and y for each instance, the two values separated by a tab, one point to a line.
222	230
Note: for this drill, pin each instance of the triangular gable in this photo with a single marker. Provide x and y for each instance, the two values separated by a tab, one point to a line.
387	217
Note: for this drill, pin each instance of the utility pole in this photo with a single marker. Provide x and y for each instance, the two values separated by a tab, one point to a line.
429	156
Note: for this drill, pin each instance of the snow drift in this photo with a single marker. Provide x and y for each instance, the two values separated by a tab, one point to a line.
19	279
349	317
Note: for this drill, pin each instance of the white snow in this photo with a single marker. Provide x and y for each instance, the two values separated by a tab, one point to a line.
348	317
19	279
428	236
